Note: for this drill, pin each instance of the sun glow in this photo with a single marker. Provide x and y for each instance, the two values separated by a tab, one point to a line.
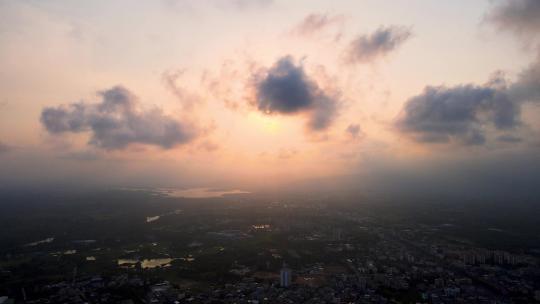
267	123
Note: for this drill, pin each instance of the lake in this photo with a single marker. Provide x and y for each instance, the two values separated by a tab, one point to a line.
146	263
198	192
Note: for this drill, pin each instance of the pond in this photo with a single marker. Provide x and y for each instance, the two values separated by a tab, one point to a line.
146	263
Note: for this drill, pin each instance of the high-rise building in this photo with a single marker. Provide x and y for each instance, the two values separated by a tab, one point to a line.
337	234
285	276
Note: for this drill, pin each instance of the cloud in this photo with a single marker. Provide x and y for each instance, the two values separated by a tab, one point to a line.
466	113
314	23
323	114
522	17
287	153
221	4
354	131
460	114
242	4
170	79
286	89
527	86
509	139
366	48
208	146
519	16
116	122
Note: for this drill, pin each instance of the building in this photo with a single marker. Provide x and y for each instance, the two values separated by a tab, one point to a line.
285	276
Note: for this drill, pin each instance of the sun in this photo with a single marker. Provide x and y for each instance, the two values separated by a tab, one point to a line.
267	123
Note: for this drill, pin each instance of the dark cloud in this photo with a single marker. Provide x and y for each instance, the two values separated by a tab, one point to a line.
466	113
462	113
519	16
62	119
286	89
527	86
367	48
313	23
116	122
509	139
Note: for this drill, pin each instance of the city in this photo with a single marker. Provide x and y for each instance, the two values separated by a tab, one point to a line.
246	249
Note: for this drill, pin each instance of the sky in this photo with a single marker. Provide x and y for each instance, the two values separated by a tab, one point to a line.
255	93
